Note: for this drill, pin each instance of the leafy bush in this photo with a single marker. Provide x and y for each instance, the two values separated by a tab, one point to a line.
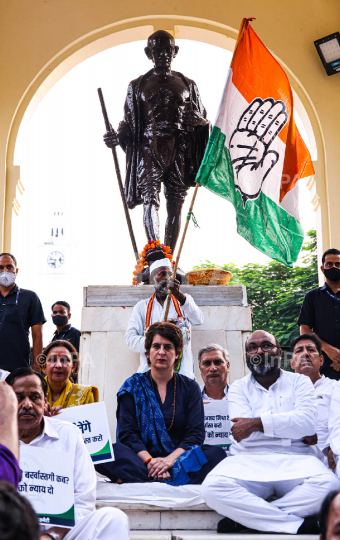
276	292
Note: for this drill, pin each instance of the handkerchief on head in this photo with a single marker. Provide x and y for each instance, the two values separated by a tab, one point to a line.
159	263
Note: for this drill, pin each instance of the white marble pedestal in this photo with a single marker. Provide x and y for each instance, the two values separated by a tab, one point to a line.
106	361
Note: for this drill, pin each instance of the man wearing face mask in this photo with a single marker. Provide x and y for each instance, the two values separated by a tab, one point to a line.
20	310
61	314
183	312
272	412
320	313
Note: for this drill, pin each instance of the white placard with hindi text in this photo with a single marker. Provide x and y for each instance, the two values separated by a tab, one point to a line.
47	482
217	423
92	421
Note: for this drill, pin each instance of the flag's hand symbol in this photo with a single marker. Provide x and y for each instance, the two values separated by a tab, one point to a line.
249	145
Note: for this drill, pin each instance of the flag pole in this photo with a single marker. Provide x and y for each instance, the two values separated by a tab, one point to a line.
243	28
180	250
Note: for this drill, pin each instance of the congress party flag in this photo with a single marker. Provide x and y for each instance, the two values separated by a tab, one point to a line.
256	155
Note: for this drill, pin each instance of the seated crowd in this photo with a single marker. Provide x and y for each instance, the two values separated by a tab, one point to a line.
278	472
285	434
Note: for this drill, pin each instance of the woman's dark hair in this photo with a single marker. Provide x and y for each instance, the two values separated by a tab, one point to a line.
324	512
25	372
60	343
18	521
311	337
169	331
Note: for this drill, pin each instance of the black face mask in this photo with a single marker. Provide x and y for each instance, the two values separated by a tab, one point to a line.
60	320
263	364
333	274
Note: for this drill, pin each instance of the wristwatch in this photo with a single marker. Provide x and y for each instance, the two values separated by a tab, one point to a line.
51	534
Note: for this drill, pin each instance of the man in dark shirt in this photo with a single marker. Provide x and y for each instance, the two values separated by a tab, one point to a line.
20	310
320	313
61	314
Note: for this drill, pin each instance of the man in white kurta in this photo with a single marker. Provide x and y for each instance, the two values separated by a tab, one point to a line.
307	360
50	433
333	442
271	411
213	361
183	311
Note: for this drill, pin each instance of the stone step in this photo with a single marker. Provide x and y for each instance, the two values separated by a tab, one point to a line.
151	535
159	518
205	535
197	522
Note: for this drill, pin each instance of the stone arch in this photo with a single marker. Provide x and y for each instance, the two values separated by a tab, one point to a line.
128	30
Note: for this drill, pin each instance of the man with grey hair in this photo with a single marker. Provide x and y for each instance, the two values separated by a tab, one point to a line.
213	361
183	312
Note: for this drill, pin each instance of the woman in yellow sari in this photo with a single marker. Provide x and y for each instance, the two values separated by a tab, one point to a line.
60	362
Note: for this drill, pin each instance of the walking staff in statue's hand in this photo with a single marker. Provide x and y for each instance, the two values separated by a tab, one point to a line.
164	134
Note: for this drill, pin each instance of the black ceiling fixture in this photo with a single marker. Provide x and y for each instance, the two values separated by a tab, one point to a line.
329	52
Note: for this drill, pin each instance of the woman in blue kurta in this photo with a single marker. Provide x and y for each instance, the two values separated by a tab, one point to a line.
160	430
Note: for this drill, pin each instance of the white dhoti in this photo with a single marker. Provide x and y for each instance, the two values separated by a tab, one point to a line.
103	524
238	486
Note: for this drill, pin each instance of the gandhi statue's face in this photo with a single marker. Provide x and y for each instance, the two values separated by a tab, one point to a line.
161	50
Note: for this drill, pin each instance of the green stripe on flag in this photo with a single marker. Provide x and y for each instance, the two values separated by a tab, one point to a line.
263	223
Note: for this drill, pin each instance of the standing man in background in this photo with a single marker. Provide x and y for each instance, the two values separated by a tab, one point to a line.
61	314
20	310
320	313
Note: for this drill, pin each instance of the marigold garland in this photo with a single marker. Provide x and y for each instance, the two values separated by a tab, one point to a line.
142	263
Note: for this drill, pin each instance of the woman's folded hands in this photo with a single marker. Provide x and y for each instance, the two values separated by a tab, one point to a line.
158	467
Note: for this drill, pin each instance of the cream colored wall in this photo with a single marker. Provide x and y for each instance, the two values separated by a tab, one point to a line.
40	40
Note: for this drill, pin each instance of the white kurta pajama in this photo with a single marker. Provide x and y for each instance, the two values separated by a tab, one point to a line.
135	338
334	425
275	462
323	389
103	524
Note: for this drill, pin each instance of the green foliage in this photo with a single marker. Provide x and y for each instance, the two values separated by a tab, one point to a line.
276	292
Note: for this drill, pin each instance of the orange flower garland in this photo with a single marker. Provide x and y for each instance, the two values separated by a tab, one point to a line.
142	263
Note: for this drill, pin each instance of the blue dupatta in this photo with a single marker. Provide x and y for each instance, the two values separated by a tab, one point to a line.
153	430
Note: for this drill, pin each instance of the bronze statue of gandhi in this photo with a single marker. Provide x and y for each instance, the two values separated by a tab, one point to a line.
164	134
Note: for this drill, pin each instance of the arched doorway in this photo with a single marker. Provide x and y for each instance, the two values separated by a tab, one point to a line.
133	29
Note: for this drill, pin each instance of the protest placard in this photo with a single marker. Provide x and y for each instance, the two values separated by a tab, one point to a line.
217	424
92	421
47	482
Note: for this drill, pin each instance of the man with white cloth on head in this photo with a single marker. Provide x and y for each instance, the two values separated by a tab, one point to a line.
183	312
40	431
271	411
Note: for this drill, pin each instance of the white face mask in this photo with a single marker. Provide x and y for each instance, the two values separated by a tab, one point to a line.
7	278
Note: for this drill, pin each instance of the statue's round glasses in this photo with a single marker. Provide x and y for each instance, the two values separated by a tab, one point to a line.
266	347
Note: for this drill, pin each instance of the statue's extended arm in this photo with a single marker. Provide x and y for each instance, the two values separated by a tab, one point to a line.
122	138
